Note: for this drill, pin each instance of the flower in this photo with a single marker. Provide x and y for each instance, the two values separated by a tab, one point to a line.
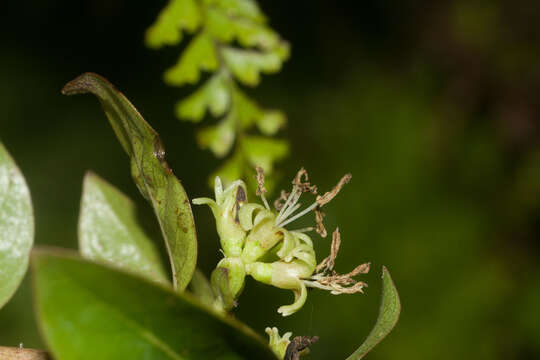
255	242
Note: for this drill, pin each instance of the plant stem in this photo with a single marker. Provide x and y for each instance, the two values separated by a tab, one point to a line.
14	353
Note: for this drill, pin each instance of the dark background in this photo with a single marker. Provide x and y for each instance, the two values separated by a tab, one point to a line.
433	107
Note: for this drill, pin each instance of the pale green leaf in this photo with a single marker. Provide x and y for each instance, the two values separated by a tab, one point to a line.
247	110
239	8
231	170
214	95
199	55
246	65
177	16
109	231
248	33
16	226
151	173
248	113
219	138
88	311
271	121
263	151
388	317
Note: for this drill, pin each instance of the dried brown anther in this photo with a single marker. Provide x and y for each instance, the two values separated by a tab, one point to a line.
319	215
328	196
280	201
260	180
304	185
299	346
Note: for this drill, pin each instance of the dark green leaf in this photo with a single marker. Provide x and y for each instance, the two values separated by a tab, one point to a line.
89	311
16	226
151	173
388	317
109	231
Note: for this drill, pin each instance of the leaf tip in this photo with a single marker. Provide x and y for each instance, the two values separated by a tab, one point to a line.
84	83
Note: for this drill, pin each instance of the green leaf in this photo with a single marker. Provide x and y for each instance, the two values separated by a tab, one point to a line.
246	109
89	311
388	317
177	16
239	8
16	226
248	33
263	151
230	171
271	121
109	231
151	173
219	138
214	95
200	288
246	65
199	55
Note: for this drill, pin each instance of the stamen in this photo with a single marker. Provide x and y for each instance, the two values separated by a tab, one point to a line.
290	210
303	230
286	205
300	214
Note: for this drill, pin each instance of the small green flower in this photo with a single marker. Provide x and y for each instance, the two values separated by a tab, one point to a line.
225	209
255	242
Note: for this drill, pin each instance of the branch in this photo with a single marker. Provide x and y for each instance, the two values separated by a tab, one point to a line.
13	353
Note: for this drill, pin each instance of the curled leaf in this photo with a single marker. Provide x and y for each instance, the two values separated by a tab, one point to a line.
151	173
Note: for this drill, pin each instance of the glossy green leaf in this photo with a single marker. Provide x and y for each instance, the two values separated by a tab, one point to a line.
151	173
16	226
199	55
177	16
109	231
214	95
246	65
388	317
263	151
89	311
219	138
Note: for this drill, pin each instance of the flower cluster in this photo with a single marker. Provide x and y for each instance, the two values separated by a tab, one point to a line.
255	242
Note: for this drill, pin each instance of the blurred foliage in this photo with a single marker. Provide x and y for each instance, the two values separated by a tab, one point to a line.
435	114
219	25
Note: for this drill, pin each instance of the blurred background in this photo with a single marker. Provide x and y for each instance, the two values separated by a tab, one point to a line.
432	106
